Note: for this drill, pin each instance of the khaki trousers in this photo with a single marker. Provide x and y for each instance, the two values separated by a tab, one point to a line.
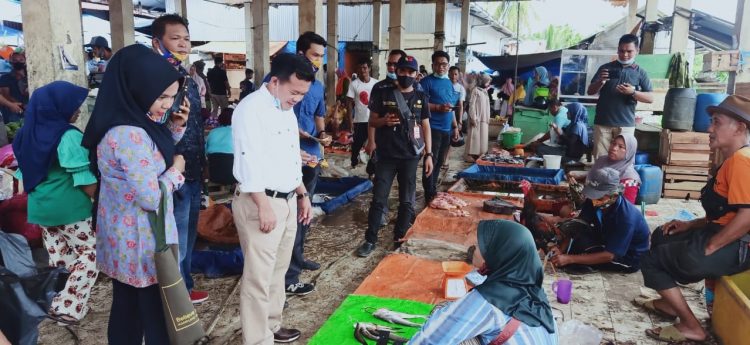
267	256
603	136
218	102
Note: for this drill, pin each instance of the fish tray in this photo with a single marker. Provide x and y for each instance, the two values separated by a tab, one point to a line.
345	190
533	175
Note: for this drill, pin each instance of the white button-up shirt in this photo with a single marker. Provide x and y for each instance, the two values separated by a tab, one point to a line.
266	145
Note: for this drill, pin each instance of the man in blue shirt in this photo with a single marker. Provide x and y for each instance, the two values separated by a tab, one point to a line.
619	235
443	100
310	113
14	89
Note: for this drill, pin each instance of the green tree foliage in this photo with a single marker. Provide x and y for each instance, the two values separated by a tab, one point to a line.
511	13
558	36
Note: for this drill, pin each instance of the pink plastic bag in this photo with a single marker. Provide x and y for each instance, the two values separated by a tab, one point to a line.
7	158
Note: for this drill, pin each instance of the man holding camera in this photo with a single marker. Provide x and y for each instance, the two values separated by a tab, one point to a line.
620	85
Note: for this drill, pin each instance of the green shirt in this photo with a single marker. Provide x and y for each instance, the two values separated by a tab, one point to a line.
58	200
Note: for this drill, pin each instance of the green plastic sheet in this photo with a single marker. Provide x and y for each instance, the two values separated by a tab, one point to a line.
339	329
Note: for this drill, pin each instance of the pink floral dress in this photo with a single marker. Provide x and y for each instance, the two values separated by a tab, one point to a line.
131	168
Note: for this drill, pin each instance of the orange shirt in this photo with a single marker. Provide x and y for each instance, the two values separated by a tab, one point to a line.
734	173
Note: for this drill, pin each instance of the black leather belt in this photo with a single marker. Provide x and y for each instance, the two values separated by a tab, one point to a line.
280	195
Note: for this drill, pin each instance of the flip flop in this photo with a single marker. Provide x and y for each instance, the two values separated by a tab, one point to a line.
648	305
668	333
66	320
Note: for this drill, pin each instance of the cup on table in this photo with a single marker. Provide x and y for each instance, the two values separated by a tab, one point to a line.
563	288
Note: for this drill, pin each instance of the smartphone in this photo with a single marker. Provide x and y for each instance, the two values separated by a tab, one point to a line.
614	73
179	98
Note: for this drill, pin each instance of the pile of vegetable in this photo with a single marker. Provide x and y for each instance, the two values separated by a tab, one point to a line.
12	128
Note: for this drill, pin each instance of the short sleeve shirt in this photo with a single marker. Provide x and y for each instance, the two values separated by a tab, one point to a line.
310	107
624	232
733	184
216	78
394	142
461	92
18	89
360	92
440	91
613	108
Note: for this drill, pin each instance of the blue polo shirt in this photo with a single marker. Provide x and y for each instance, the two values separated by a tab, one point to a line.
624	231
440	91
311	106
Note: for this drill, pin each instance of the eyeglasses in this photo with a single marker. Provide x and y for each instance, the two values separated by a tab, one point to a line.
444	64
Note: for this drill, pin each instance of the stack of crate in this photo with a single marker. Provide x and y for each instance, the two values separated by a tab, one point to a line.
687	160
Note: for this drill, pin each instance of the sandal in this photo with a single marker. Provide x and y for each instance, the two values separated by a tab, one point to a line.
648	305
668	333
63	319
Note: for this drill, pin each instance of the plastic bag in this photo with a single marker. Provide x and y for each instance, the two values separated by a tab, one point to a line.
13	219
579	333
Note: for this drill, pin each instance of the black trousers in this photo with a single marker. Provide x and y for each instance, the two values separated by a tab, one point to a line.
682	258
310	179
220	168
588	243
136	313
360	137
405	170
441	142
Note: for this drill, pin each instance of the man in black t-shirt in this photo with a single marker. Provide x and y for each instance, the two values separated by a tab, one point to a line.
218	82
620	84
401	139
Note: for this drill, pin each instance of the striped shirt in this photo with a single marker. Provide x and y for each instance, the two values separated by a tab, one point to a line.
473	316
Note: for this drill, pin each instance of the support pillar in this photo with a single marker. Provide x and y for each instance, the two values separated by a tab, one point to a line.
680	26
652	15
311	16
121	23
177	6
377	42
632	19
332	51
465	10
49	27
439	25
249	58
396	24
739	82
261	58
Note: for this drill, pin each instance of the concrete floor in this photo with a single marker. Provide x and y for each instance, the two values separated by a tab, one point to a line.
600	299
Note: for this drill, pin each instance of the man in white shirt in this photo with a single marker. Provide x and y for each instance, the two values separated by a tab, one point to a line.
358	97
270	197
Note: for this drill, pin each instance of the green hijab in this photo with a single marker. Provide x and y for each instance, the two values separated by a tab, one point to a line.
515	275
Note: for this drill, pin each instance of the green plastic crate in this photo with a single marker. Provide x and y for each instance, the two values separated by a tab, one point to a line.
531	122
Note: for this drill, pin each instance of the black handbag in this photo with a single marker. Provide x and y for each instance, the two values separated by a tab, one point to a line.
415	132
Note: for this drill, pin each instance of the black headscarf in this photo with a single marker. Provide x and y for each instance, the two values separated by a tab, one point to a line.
135	77
514	281
46	119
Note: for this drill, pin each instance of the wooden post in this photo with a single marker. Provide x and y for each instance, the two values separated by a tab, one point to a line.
121	23
462	48
261	60
680	26
332	51
652	15
632	19
249	49
377	39
396	24
739	81
439	25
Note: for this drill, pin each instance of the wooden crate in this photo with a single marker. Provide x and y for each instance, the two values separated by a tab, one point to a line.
731	316
721	61
681	181
684	149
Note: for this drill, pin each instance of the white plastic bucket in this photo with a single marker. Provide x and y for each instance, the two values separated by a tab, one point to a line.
552	161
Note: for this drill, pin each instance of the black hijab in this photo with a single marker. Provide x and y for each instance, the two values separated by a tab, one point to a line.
46	119
135	77
514	281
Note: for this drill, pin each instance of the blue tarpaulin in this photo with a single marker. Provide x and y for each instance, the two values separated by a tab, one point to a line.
343	189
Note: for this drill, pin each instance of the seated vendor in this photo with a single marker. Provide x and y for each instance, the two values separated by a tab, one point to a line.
568	134
707	248
219	150
537	88
621	157
619	233
511	303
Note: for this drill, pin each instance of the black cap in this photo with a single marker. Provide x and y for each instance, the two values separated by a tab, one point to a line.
98	41
408	62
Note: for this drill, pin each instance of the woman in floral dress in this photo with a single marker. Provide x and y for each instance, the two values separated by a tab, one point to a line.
134	134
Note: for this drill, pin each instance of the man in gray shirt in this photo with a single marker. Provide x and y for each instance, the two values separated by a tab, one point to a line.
620	84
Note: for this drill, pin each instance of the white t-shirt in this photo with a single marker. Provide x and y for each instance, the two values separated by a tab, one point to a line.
457	87
360	92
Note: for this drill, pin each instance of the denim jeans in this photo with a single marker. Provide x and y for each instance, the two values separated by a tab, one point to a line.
441	142
388	169
187	204
310	179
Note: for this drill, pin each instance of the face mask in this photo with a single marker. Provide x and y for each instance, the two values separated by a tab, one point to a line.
19	65
391	76
276	100
405	81
172	57
161	120
441	76
626	62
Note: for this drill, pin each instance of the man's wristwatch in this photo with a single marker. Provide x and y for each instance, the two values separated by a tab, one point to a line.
428	154
302	196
